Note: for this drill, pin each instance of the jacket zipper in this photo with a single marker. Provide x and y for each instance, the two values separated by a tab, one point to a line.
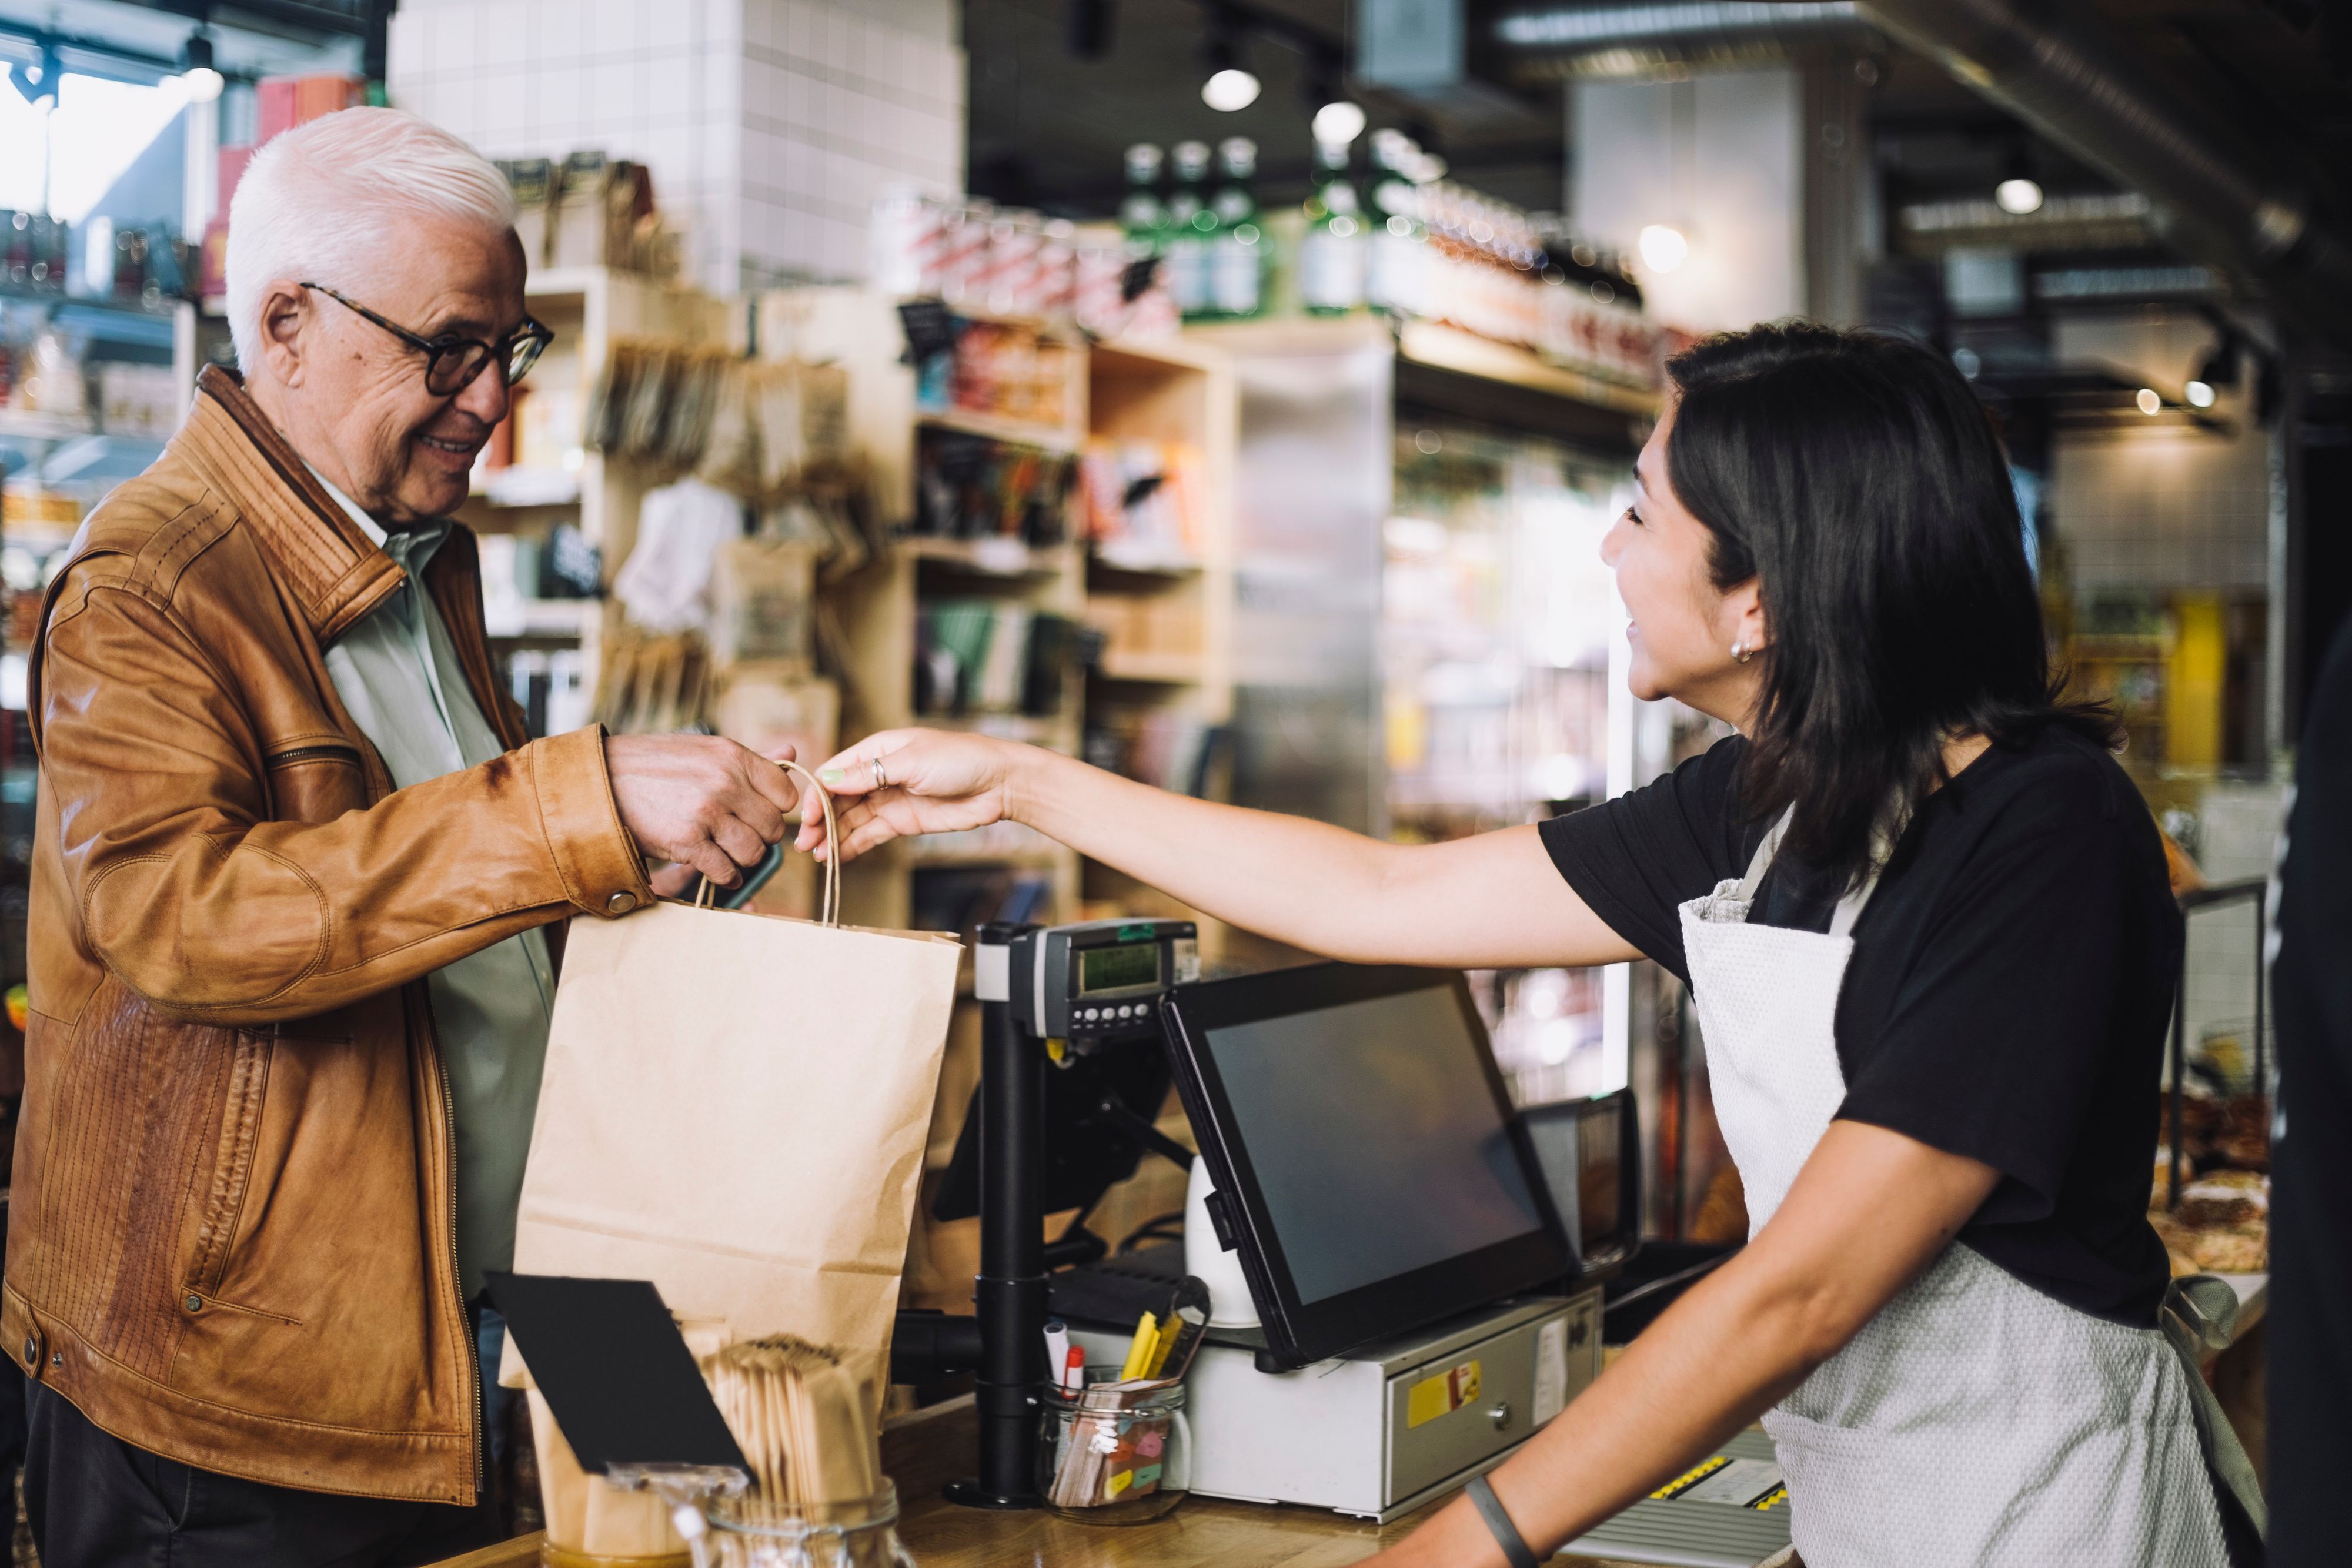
312	753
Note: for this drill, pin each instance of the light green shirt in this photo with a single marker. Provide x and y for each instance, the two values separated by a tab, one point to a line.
398	673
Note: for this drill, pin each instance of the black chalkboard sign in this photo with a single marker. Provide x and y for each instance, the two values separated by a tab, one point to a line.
614	1370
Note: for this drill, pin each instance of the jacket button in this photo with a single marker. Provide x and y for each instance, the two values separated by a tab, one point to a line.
57	1358
194	1303
32	1351
620	903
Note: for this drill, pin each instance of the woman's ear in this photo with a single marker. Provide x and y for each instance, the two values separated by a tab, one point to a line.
1750	630
285	312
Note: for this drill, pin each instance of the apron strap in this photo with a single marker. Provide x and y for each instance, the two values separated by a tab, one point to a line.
1849	909
2198	1313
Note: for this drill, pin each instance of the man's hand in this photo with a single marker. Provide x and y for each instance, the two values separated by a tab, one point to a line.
707	803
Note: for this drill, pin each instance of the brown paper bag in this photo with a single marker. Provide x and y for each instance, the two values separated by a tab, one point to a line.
734	1107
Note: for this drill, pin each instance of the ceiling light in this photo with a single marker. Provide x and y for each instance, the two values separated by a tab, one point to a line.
2149	403
1229	89
204	83
1339	123
1663	247
2220	366
2200	394
2018	196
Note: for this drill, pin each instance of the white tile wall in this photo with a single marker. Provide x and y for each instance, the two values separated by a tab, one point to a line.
770	125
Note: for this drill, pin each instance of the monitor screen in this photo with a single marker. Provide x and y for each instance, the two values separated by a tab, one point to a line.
1375	1137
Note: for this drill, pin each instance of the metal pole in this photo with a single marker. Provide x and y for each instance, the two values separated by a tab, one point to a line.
1010	1293
2180	1076
2261	987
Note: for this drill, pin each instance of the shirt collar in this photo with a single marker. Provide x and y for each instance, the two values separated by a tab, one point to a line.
411	546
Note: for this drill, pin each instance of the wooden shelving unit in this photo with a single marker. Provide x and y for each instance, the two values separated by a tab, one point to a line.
559	480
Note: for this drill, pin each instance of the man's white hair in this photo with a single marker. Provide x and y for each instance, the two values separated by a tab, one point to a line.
328	201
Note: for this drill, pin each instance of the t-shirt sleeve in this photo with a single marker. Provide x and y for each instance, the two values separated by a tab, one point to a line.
1634	859
1997	1040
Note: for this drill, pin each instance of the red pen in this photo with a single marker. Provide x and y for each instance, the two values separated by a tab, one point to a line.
1073	1371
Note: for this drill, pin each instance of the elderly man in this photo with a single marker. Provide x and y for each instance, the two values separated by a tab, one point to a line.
297	887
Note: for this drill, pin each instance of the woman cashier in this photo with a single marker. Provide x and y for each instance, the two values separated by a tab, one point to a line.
1925	920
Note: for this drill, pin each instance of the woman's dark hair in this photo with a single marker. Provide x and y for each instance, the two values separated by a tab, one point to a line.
1858	479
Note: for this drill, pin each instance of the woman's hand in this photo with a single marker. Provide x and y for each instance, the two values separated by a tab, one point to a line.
931	781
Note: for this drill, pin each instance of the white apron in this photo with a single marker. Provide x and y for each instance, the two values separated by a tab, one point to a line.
1974	1422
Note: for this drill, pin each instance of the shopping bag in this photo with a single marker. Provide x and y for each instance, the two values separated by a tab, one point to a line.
734	1107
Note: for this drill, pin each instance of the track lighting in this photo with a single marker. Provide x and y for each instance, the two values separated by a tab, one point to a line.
202	81
1231	85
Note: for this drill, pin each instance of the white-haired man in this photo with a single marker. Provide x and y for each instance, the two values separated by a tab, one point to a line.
297	884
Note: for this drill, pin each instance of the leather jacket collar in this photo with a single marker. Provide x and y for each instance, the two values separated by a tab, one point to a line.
334	570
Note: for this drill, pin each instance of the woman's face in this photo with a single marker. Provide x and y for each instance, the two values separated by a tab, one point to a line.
1683	627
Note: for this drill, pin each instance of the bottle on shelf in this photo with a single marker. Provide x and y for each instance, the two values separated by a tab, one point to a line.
1191	224
1237	250
1143	216
1333	251
1393	279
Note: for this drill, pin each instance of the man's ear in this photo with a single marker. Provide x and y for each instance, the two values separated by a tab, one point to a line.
285	312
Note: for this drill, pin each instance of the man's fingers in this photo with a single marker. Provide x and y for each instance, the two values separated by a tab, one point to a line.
743	843
778	788
711	860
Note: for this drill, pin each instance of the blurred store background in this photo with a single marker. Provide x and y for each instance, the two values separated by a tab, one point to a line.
1235	393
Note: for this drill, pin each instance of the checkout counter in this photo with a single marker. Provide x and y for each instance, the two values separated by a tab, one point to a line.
1406	1269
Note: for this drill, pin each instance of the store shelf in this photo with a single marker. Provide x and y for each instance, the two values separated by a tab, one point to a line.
25	424
986	558
530	487
542	617
1022	727
1118	554
1445	348
1164	669
997	427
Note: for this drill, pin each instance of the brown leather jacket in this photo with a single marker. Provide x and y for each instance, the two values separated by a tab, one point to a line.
231	1232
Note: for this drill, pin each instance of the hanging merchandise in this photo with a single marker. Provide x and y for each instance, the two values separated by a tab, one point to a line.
1192	224
1237	248
664	585
1332	253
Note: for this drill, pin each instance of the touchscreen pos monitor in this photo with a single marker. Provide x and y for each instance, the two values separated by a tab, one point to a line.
1367	1164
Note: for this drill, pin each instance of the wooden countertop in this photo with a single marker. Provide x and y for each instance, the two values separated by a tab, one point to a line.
924	1452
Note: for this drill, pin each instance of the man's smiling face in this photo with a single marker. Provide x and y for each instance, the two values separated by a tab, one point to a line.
391	444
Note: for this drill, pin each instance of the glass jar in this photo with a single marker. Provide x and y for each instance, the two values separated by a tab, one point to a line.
753	1532
1112	1454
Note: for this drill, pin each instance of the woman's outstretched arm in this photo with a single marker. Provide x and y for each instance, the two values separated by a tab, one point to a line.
1869	1211
1492	901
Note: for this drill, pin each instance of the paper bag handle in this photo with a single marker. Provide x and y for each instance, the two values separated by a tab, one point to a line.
830	914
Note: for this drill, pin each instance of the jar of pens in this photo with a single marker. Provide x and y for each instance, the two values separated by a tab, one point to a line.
1114	1448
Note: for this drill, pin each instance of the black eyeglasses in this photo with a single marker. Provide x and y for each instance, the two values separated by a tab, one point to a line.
451	362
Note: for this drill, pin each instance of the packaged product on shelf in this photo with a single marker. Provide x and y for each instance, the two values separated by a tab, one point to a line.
1143	216
904	238
983	656
1333	253
1191	224
139	400
1237	248
52	380
973	486
1142	502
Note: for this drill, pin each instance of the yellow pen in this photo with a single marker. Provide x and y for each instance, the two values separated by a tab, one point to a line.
1139	1349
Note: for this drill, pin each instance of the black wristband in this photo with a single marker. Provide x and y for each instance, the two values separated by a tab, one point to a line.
1499	1520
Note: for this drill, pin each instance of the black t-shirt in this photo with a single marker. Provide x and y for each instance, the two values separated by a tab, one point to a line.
2009	994
2311	1165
